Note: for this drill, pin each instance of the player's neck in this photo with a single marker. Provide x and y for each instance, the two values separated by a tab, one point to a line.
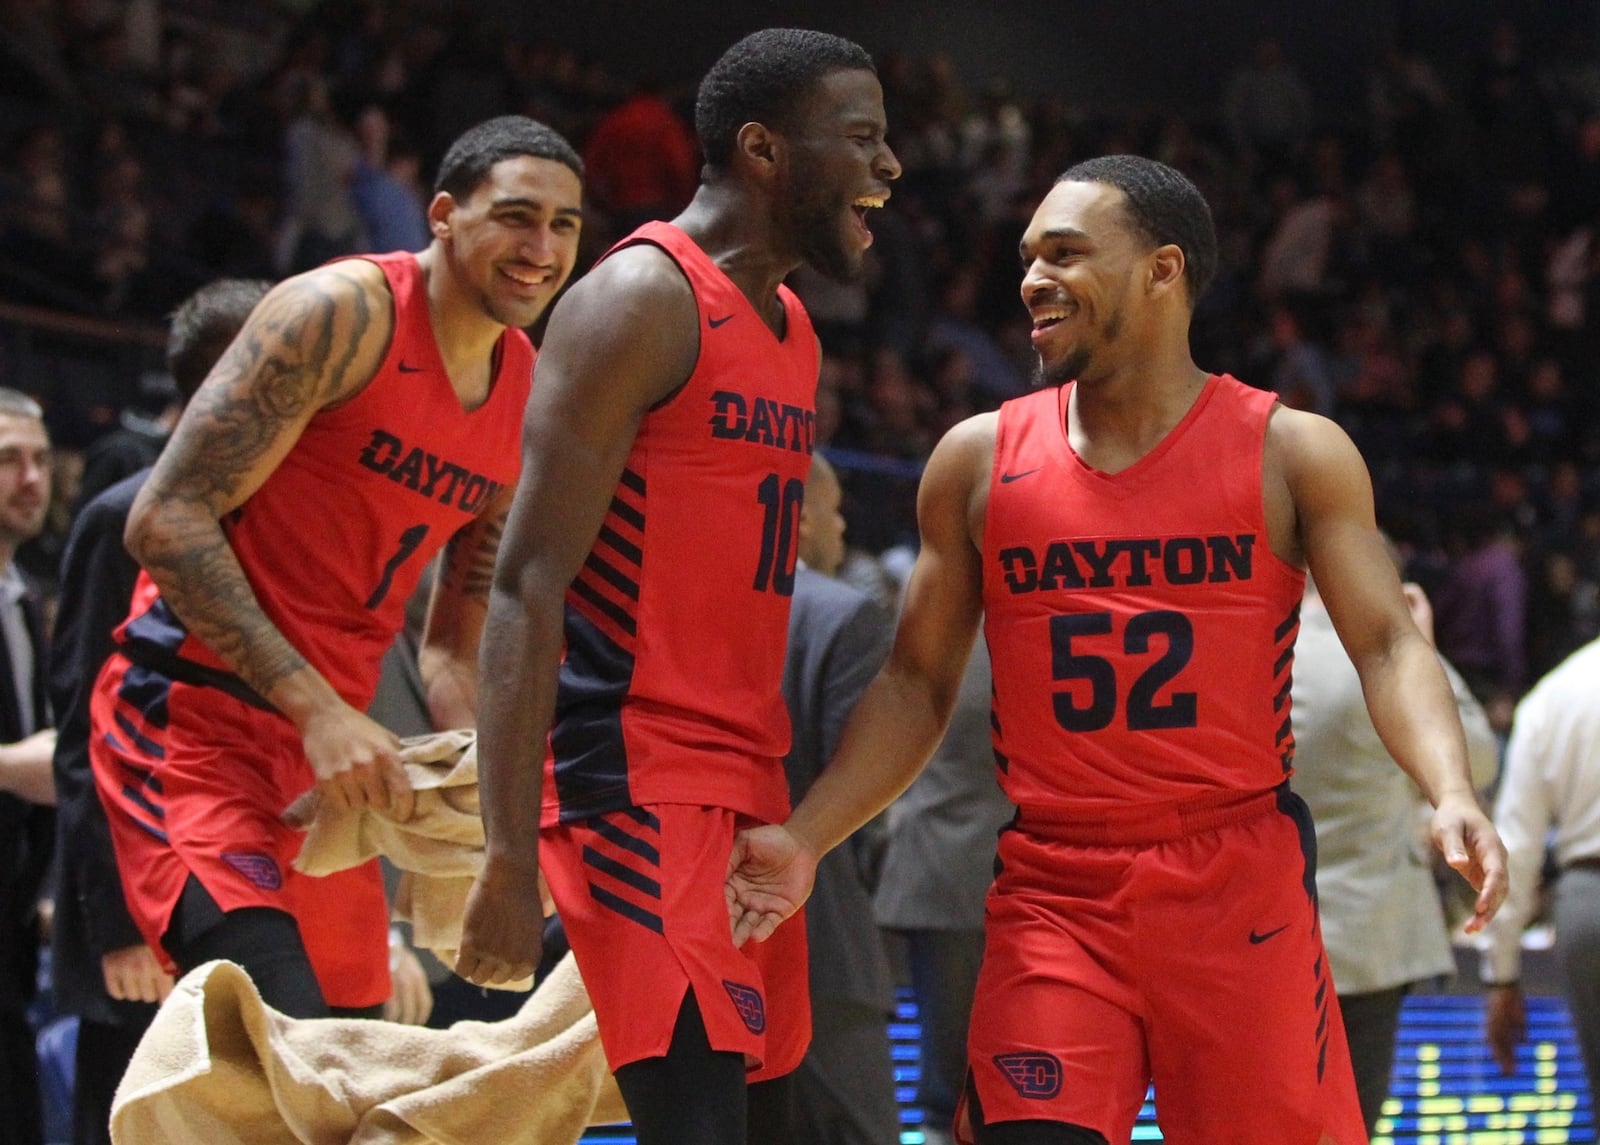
1131	407
466	336
734	228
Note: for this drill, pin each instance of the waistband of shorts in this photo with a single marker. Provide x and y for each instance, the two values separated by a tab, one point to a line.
1141	825
182	671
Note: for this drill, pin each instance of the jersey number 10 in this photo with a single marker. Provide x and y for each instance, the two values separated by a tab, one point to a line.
780	527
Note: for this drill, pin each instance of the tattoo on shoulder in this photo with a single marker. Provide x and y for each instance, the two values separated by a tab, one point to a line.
294	355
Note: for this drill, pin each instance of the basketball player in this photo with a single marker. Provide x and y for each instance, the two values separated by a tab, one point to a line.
640	609
367	415
1135	536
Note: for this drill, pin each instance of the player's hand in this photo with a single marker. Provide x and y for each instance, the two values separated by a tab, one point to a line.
357	763
1471	845
502	934
412	1000
133	974
769	877
1507	1025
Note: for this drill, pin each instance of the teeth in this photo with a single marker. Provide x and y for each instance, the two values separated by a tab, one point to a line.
872	200
527	279
1046	317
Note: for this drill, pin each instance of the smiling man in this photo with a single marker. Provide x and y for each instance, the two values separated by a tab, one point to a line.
367	415
641	600
1135	537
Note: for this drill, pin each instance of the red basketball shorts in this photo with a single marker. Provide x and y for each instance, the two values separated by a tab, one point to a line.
640	893
195	782
1194	961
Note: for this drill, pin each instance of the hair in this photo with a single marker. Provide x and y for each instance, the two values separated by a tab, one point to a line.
762	79
1165	208
15	403
204	324
475	152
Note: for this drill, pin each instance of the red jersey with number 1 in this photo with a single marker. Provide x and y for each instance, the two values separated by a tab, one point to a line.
336	539
1141	628
670	688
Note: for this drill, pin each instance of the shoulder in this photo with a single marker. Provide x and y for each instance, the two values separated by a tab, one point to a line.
642	273
1302	446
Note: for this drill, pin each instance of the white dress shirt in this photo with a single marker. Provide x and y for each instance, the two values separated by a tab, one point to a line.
19	645
1552	777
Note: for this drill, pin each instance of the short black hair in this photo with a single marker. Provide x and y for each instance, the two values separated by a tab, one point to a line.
1165	207
475	152
204	324
762	79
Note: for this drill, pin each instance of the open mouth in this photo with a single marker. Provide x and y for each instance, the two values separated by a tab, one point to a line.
527	281
860	208
1047	318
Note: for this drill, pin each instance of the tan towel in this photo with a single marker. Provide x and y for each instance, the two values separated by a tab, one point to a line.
218	1067
440	848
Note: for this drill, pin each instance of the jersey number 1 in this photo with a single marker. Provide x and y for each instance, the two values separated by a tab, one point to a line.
1144	714
409	540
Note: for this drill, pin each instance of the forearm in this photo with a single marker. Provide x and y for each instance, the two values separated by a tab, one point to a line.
198	572
890	735
25	770
518	665
1415	714
451	686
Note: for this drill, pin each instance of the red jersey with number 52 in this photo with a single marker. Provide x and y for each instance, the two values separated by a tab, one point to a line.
1141	628
670	688
336	539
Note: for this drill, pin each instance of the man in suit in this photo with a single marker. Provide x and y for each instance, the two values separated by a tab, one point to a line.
101	969
838	638
26	741
937	868
1382	920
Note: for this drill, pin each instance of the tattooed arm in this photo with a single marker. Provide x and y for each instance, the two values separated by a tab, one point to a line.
314	341
448	658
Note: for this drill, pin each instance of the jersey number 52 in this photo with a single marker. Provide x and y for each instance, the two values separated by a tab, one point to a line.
1144	712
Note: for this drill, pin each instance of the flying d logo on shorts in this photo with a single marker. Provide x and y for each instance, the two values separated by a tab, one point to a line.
1035	1076
262	870
747	1000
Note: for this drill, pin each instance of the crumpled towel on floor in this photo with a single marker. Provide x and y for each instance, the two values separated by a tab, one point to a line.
219	1067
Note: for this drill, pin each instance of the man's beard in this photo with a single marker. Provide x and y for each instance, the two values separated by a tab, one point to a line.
1059	373
816	230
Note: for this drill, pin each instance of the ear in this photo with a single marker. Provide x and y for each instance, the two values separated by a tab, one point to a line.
439	212
1166	269
758	147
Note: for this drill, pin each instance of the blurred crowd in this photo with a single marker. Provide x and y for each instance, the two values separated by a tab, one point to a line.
1421	267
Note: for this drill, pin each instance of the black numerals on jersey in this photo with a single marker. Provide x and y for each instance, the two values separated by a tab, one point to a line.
1144	713
409	540
780	528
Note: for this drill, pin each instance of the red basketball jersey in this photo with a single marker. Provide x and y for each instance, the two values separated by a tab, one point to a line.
335	540
670	686
1141	628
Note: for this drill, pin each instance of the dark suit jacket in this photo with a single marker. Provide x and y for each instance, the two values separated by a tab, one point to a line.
97	577
838	639
26	831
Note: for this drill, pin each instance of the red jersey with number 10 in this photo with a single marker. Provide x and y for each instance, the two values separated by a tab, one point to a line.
336	538
670	688
1141	628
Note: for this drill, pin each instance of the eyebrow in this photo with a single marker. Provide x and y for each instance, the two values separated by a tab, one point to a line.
534	204
1052	233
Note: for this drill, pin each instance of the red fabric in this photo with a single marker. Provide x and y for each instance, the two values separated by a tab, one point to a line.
1197	961
1140	626
371	490
640	156
194	780
670	687
640	895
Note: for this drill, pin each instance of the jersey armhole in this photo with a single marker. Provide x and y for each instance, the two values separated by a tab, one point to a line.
643	240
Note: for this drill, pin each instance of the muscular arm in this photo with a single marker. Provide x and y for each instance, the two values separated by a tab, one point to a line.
313	342
903	713
1407	693
448	656
623	339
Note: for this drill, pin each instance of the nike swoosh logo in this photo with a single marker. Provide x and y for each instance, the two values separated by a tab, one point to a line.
1008	478
405	369
715	322
1258	939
